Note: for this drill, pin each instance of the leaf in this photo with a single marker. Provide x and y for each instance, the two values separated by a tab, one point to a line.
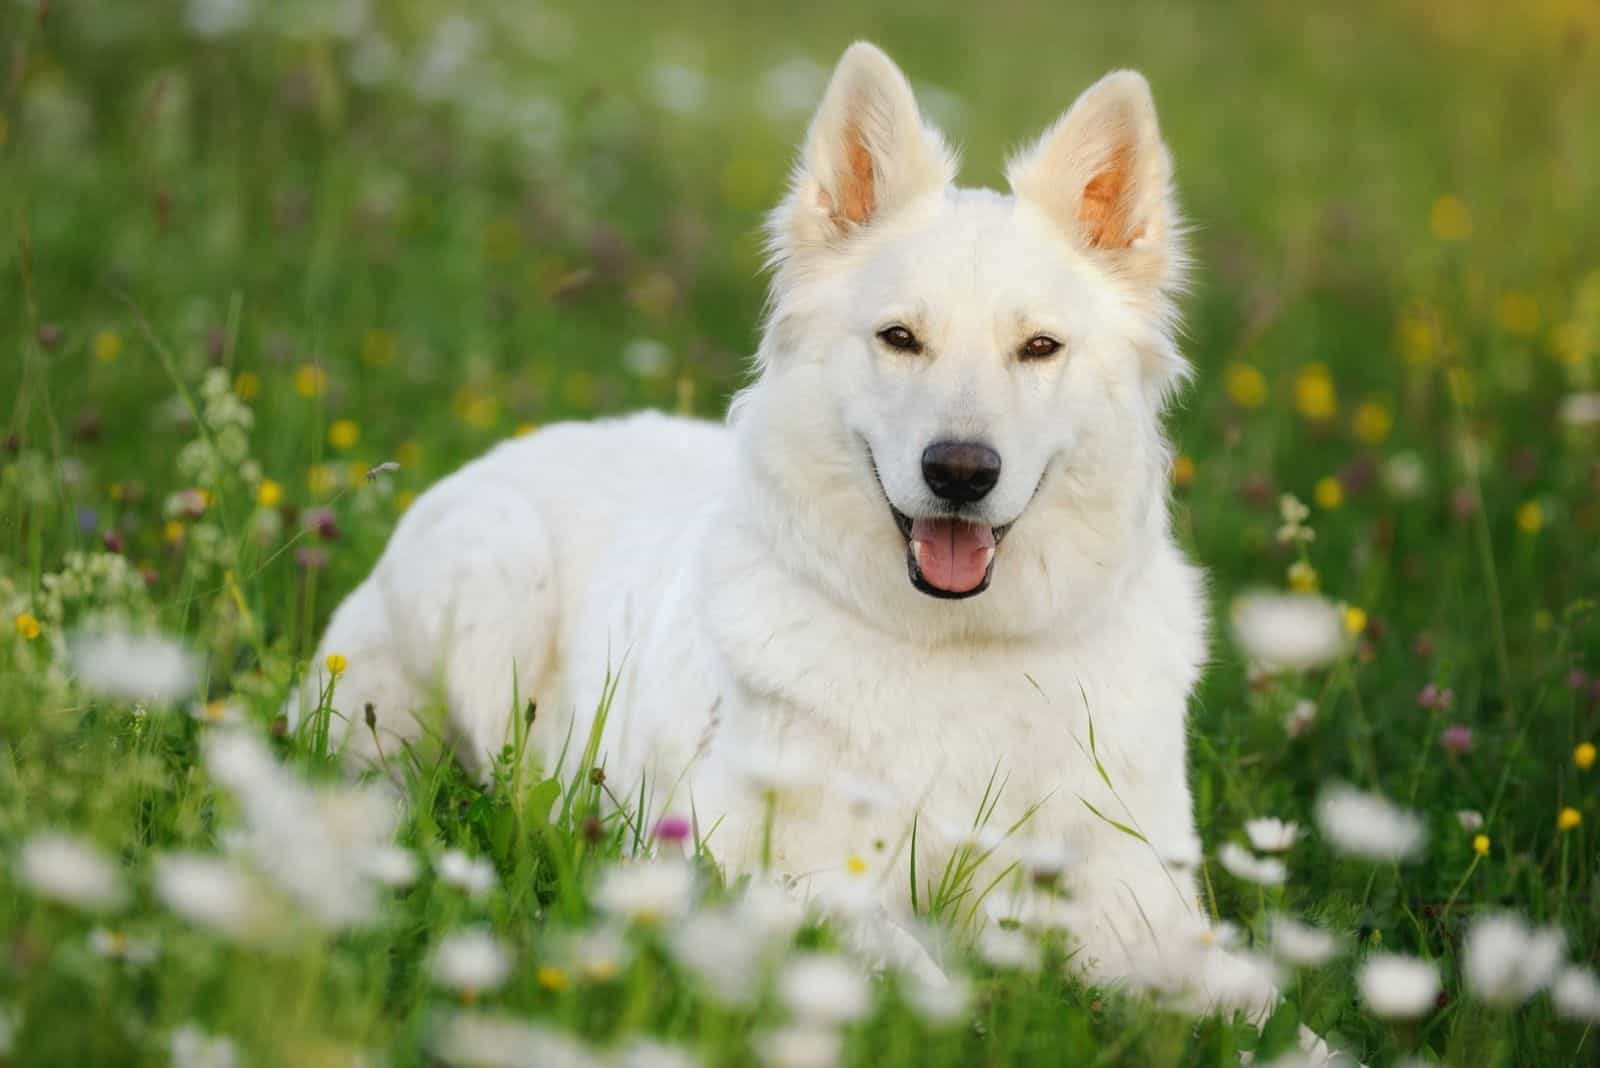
1123	827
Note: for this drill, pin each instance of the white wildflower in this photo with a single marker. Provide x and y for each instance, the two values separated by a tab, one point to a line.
474	875
1470	819
212	893
482	1040
800	1047
133	667
390	865
680	89
472	960
193	1048
1241	863
1576	994
71	871
715	947
1272	835
118	945
1008	949
646	357
455	42
217	18
1405	476
1301	718
1294	514
645	1053
823	988
1300	944
1367	825
1505	962
597	955
1581	410
938	1002
1288	631
647	892
1398	987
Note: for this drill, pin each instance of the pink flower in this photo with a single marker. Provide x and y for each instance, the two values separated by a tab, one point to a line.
1436	699
673	829
1457	739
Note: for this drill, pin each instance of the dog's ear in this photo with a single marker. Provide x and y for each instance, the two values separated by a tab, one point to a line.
867	154
1103	175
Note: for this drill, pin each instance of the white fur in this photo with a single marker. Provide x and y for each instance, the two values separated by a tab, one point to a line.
748	583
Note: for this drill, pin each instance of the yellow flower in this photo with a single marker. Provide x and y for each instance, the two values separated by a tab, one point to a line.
107	346
1518	313
173	531
1480	845
1182	471
269	493
1355	620
344	433
1328	493
1568	818
377	348
524	429
1573	342
322	479
404	499
476	407
1583	756
1246	386
855	865
1419	336
336	664
1530	517
1314	393
27	626
1450	219
1302	577
310	380
409	453
1372	423
247	385
553	979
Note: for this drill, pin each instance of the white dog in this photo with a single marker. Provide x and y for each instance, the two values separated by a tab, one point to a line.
929	550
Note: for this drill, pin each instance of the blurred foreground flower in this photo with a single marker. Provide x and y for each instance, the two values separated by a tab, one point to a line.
1287	632
1576	994
1272	835
134	667
194	1048
1241	863
647	892
472	961
474	875
1506	962
824	988
71	871
1398	987
1368	826
213	893
1301	944
1581	410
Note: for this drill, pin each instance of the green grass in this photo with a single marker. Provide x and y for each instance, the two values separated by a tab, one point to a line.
1400	194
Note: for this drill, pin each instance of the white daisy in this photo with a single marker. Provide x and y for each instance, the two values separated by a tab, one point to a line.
1398	987
71	871
1576	994
799	1047
1581	410
647	892
134	667
1505	962
1008	949
471	960
821	988
1288	631
1471	820
213	893
118	945
193	1048
1241	863
1301	944
471	874
1272	835
1367	825
938	1003
645	1053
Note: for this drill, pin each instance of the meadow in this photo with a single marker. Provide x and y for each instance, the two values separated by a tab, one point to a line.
270	269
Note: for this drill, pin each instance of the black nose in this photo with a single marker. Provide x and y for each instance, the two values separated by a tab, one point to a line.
960	471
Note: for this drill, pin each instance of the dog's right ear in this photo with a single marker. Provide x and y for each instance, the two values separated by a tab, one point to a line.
867	154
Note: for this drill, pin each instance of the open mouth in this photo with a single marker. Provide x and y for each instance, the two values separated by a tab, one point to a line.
947	556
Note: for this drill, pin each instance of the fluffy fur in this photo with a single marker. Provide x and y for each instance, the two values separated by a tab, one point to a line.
748	582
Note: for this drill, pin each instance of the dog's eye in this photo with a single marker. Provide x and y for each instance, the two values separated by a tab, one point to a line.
1039	347
900	339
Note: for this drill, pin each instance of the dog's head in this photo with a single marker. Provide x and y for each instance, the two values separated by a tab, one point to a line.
961	390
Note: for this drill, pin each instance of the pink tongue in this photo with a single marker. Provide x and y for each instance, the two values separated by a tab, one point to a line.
952	555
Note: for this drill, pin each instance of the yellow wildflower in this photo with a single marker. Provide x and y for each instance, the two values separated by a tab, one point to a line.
524	429
27	626
1182	471
173	531
1314	393
1518	313
336	664
1328	493
269	493
247	385
553	979
409	453
1355	620
1419	336
1530	517
107	346
1302	577
1583	756
1450	219
344	433
1246	386
1480	845
310	380
322	479
1568	818
1372	423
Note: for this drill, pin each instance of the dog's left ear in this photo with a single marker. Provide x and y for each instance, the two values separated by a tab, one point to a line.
1103	175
